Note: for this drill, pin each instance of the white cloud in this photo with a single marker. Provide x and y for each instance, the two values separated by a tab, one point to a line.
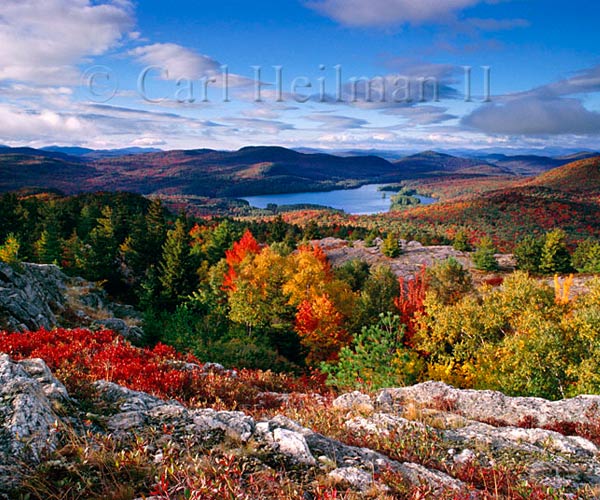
338	122
180	62
27	125
421	115
535	115
389	12
584	81
41	41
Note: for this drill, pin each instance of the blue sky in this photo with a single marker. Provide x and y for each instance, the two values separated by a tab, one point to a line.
70	73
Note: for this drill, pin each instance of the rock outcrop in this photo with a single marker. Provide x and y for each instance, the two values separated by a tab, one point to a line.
34	404
29	400
34	296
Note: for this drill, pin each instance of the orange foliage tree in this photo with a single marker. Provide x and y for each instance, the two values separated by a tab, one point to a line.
410	302
247	245
319	325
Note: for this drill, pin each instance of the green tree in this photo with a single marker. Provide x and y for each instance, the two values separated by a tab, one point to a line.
354	272
483	257
176	268
48	247
528	254
586	258
391	246
461	241
155	231
370	238
378	294
101	260
448	281
555	256
374	359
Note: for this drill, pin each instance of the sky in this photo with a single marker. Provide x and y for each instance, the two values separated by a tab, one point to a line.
397	75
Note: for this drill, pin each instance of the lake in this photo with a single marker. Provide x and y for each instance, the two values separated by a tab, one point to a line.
365	200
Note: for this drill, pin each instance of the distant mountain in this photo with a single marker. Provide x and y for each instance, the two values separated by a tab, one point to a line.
206	172
534	164
26	152
248	171
525	164
432	163
68	150
581	155
99	153
31	168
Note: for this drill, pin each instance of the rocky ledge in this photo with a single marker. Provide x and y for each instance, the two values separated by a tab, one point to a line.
34	296
486	428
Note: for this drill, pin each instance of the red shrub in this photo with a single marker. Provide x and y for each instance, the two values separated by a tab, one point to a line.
80	356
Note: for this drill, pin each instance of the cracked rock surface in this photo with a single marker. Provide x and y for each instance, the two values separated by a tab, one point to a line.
33	401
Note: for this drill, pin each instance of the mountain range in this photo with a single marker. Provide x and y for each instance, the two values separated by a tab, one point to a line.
248	171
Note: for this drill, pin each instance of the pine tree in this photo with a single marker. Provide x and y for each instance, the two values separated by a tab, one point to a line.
176	269
448	281
390	246
155	230
586	259
101	261
461	241
528	254
483	257
48	247
378	293
555	254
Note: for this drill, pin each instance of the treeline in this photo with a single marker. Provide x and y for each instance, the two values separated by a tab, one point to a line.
173	267
260	295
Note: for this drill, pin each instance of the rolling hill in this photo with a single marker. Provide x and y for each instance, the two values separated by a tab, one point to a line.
580	177
248	171
431	163
566	197
210	173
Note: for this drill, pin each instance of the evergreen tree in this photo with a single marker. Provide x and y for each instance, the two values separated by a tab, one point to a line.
48	247
461	241
354	272
156	230
375	359
528	254
176	268
448	281
101	261
555	256
483	257
378	294
586	259
390	246
74	254
370	239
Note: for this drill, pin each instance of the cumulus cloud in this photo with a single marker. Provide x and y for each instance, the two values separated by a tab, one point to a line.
19	124
41	41
370	13
535	115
